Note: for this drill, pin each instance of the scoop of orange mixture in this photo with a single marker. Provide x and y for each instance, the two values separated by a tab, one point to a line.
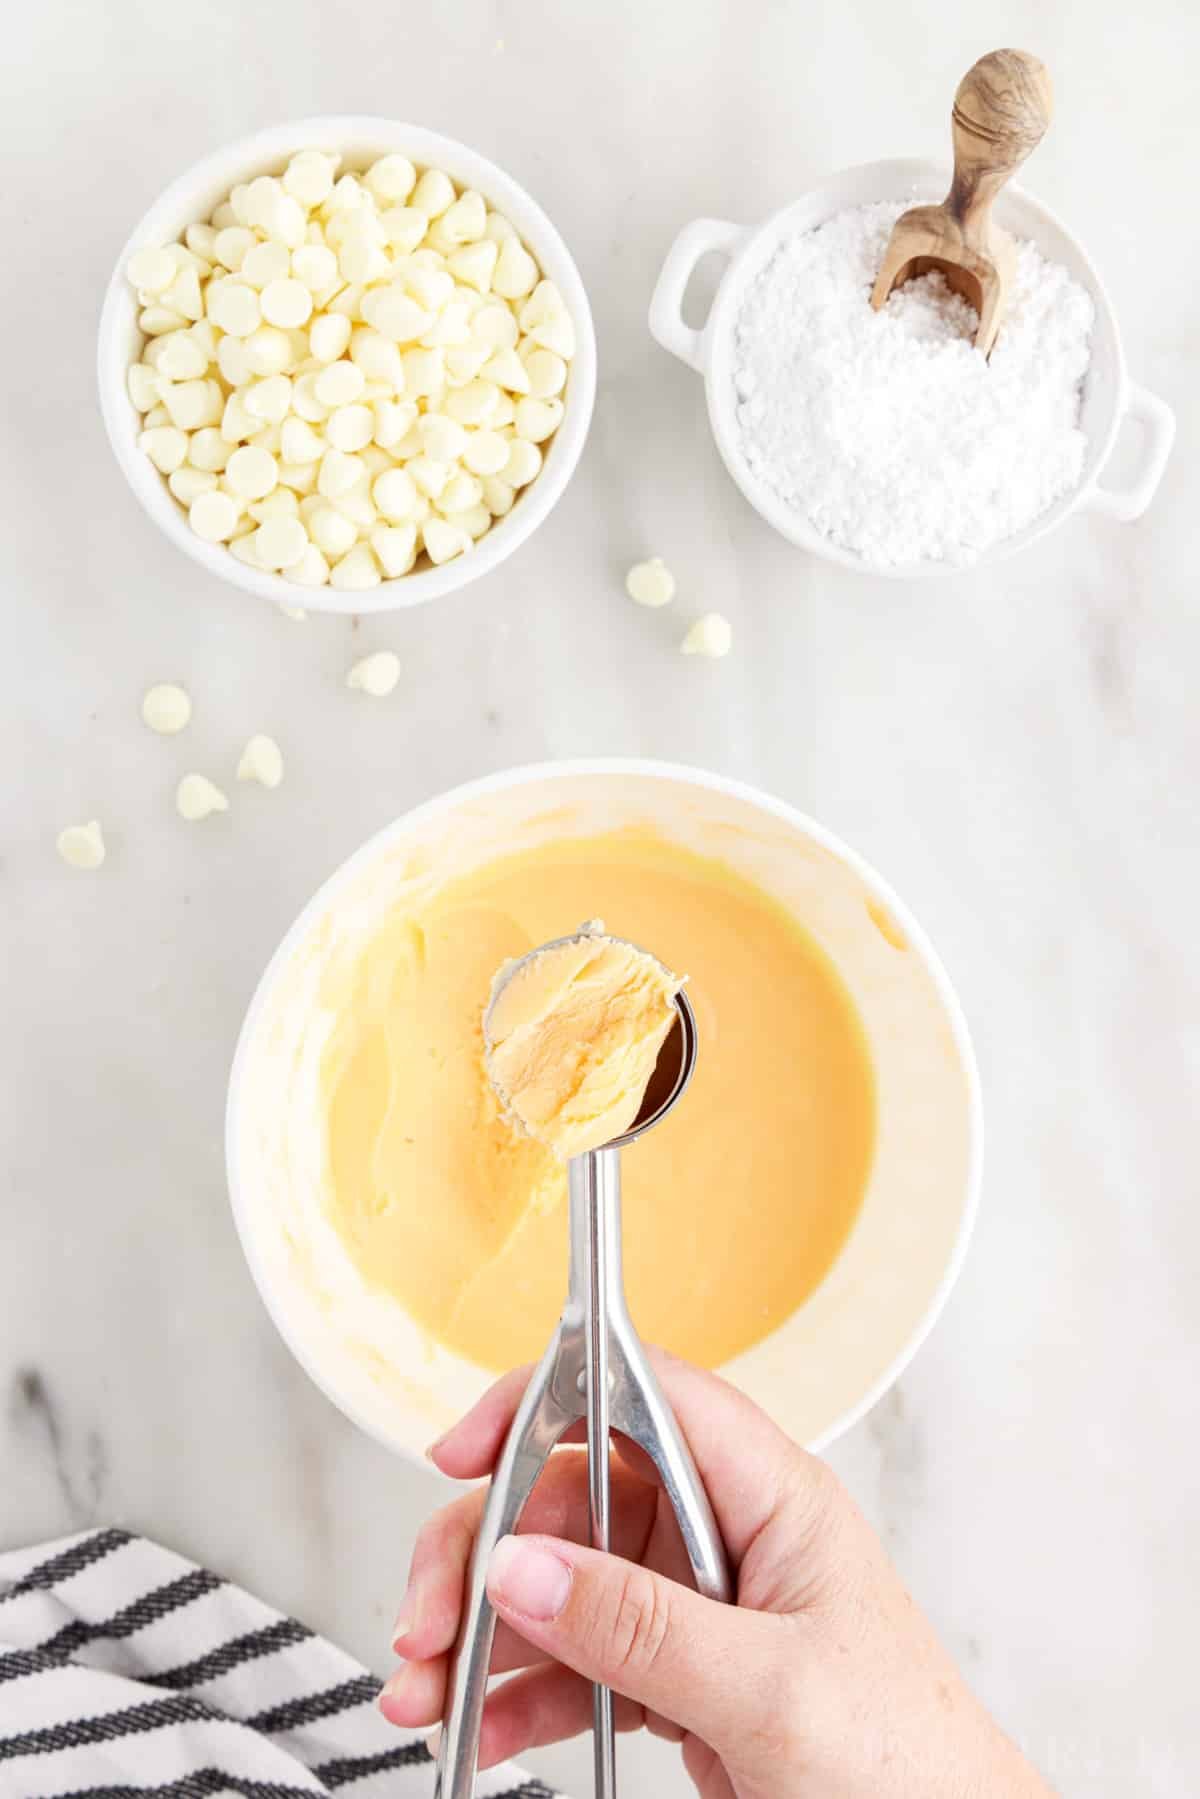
572	1034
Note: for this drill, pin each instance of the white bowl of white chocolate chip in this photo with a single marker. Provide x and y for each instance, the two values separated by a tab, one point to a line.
347	364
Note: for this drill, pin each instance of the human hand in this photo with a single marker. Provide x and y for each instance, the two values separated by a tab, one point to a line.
824	1678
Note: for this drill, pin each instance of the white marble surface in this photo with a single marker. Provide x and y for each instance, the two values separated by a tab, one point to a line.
1017	751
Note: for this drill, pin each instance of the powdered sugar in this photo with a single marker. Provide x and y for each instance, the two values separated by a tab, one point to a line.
887	431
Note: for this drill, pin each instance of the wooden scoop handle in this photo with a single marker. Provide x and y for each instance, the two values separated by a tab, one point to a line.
1001	111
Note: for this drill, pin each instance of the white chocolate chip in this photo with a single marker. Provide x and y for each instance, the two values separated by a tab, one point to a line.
309	178
143	386
443	539
474	404
378	344
433	193
182	358
516	272
279	503
265	263
357	570
377	358
166	446
261	761
424	373
268	351
396	548
464	221
232	245
396	315
193	404
298	442
391	179
329	336
166	708
711	635
187	483
350	428
214	516
286	303
444	439
547	374
498	496
474	264
151	270
234	308
339	473
650	583
280	542
395	494
507	370
376	674
331	531
538	419
316	266
404	227
312	570
524	461
486	452
339	384
270	399
461	493
197	797
82	846
251	472
156	321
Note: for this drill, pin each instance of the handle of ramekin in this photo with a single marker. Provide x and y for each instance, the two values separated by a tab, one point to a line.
1158	434
666	304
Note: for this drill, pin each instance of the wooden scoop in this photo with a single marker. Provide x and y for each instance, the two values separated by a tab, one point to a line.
1001	111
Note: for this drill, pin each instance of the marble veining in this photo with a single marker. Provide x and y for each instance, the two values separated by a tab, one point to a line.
1015	748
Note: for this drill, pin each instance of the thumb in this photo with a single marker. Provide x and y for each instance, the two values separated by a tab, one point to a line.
704	1665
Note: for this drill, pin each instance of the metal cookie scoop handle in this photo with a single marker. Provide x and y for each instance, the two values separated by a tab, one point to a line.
1001	111
595	1368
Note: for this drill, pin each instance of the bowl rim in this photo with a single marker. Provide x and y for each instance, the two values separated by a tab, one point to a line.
608	767
720	409
255	152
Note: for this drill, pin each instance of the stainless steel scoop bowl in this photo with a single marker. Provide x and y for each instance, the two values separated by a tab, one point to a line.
595	1368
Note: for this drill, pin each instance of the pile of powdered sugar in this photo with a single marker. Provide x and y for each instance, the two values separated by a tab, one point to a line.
888	431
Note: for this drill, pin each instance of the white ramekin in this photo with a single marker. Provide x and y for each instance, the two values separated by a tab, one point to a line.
827	1364
1109	396
192	196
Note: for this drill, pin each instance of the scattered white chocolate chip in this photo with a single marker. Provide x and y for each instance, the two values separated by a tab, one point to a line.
650	583
82	846
294	612
196	797
166	708
376	674
261	761
711	635
323	331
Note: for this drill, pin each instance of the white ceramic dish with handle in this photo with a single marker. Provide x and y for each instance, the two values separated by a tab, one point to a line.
822	1369
1110	397
359	140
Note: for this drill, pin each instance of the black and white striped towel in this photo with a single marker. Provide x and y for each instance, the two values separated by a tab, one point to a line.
127	1672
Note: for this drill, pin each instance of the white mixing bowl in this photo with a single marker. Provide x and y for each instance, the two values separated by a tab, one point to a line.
1109	396
360	140
821	1370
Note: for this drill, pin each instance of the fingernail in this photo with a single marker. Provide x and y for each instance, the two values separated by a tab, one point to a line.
394	1685
433	1742
406	1623
528	1579
431	1452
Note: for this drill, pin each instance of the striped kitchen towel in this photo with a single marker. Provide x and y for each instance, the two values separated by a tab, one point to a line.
126	1671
